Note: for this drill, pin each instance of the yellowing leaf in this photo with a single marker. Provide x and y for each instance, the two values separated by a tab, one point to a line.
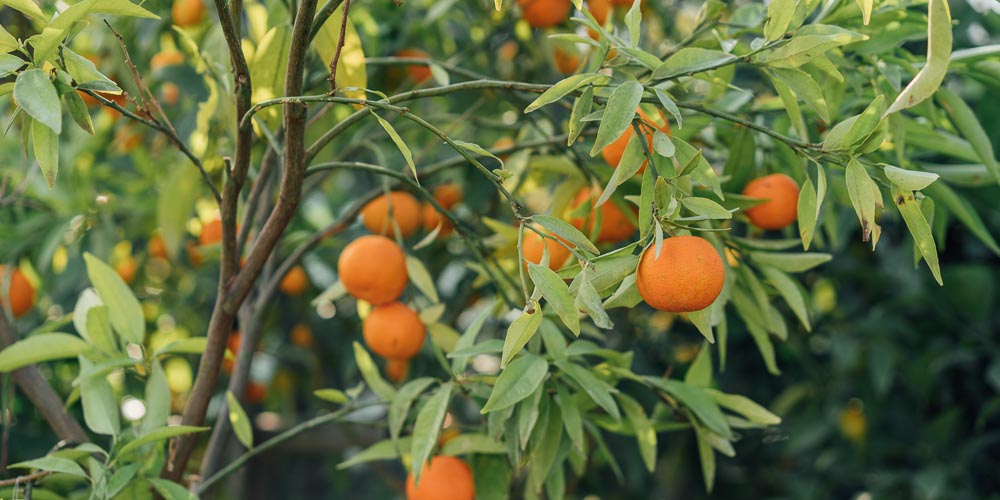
938	55
351	70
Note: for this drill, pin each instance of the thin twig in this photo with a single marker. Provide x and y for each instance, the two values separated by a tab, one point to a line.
28	478
340	46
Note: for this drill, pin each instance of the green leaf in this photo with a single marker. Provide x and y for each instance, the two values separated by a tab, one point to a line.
174	204
707	458
581	107
160	434
792	108
267	70
335	396
519	333
125	311
100	409
702	320
428	427
643	428
556	294
809	42
36	95
633	18
491	346
420	277
52	464
382	450
400	143
699	374
467	340
789	291
468	444
964	212
608	270
809	205
41	347
805	87
85	74
751	314
588	300
853	132
78	111
698	401
8	63
371	374
157	399
919	229
565	231
479	150
46	146
866	10
862	191
239	420
909	180
929	78
706	208
618	114
122	477
968	125
572	420
791	262
7	44
633	159
779	14
700	170
194	345
170	490
547	439
690	60
401	404
27	7
563	88
597	389
745	406
668	103
516	382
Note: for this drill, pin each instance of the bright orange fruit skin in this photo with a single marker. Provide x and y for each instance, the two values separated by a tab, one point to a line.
781	208
431	218
20	292
448	195
418	72
533	245
612	153
405	210
615	225
688	276
545	13
295	281
373	268
566	61
187	13
397	369
394	331
442	478
211	232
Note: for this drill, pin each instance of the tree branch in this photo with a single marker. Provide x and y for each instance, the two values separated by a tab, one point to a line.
41	394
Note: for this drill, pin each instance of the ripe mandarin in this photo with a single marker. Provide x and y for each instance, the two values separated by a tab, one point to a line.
294	282
448	195
442	478
419	73
615	225
431	218
405	210
545	13
396	369
187	13
612	153
20	294
211	232
373	268
394	331
781	208
688	276
533	246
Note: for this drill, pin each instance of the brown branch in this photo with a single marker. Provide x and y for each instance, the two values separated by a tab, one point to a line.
234	287
41	394
340	46
24	479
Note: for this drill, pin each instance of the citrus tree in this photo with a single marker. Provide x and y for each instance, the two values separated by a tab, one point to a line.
543	188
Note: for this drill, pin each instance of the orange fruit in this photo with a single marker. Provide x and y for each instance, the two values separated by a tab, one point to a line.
187	13
394	331
126	269
157	247
612	153
256	392
615	225
405	210
532	247
503	143
397	369
233	344
302	336
211	232
600	9
373	268
170	93
166	58
688	276
19	292
294	282
442	478
448	195
419	73
431	218
194	254
508	51
781	207
545	13
566	61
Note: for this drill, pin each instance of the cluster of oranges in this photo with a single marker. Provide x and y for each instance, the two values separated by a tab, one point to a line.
407	214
